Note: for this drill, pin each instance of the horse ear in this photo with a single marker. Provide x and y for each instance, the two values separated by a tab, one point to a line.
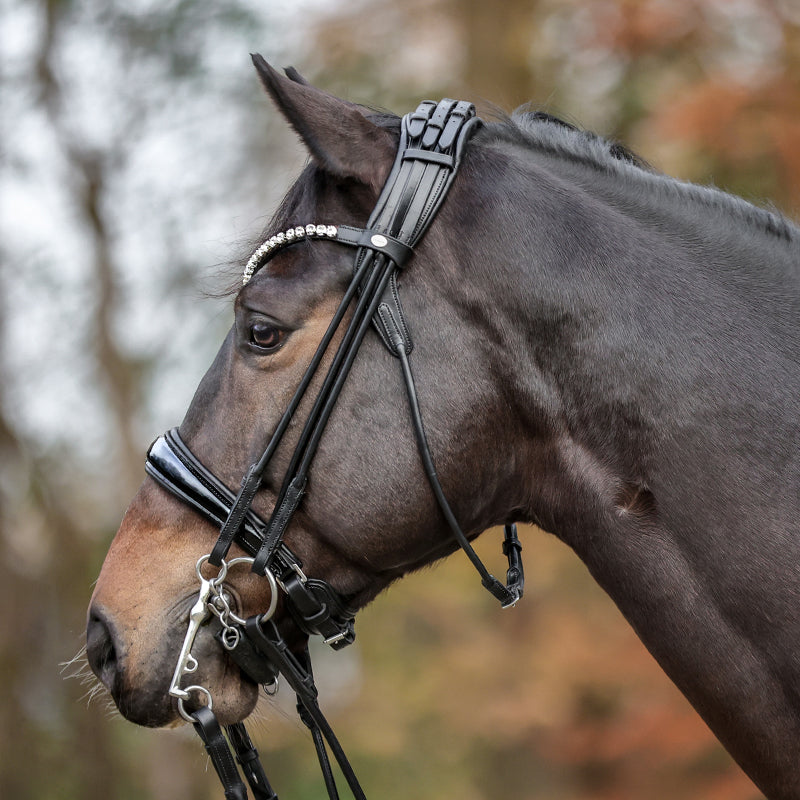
293	75
338	135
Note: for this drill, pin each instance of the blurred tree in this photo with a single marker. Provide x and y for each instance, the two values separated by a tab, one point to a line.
706	89
111	112
712	87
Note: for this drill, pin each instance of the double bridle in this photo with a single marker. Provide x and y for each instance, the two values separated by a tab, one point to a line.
432	142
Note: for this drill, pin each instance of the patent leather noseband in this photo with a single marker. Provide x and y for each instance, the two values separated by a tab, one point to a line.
432	143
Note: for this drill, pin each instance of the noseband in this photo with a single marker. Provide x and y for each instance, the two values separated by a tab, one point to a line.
432	142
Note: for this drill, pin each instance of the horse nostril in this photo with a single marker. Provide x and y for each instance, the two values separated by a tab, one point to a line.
100	649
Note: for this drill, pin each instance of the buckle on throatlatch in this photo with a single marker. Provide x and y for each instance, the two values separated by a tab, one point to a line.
515	577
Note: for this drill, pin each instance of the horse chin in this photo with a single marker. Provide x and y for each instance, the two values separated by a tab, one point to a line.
144	699
232	701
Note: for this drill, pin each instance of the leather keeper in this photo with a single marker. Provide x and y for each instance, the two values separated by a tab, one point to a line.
380	242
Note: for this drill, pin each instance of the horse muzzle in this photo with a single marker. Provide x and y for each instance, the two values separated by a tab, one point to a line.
136	672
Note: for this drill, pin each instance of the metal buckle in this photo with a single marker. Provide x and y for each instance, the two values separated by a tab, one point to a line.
337	637
301	576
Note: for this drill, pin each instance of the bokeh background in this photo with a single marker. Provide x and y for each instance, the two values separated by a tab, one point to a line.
139	158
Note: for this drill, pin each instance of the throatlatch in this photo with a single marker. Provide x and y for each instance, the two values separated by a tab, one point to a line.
432	142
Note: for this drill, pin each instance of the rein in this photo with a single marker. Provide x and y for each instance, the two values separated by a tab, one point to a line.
432	142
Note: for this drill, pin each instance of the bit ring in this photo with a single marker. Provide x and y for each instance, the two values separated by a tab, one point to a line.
223	569
183	712
273	587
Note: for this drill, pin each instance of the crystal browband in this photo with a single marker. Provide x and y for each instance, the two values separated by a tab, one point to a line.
265	251
376	240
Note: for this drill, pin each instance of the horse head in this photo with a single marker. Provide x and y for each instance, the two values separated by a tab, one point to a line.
368	515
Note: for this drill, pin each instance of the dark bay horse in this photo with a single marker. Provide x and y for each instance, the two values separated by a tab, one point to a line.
599	349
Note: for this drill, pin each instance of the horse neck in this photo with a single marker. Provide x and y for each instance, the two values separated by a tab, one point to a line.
653	366
611	314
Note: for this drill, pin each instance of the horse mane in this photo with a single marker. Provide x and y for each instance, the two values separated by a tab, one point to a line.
542	131
569	139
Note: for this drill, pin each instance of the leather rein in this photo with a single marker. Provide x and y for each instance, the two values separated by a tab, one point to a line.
432	142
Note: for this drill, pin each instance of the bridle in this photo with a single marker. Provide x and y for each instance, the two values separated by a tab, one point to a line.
432	143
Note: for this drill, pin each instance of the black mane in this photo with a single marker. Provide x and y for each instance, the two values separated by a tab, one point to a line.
528	120
545	132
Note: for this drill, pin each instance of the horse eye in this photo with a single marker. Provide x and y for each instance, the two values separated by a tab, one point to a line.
266	338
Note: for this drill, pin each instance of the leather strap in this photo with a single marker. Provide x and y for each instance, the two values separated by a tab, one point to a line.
218	751
377	241
317	608
508	595
247	756
209	730
367	242
296	669
432	142
323	406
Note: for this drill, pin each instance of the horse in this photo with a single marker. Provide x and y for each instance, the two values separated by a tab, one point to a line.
598	349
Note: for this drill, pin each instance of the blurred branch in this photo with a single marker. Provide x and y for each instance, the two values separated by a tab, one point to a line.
92	169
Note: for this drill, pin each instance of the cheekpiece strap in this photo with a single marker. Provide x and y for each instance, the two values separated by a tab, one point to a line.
412	195
432	141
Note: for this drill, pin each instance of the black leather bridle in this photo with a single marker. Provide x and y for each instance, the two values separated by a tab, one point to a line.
432	143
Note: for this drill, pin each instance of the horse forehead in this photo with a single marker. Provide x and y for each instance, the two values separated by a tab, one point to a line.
300	275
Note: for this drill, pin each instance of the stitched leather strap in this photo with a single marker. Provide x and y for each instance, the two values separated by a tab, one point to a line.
218	751
432	142
209	730
247	756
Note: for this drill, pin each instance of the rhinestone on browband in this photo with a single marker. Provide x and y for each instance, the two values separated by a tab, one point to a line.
274	243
